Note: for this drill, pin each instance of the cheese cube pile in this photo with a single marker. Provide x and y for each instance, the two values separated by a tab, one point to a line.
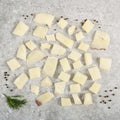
77	64
45	46
87	99
62	23
75	88
74	55
76	99
64	76
83	46
71	29
88	58
31	45
35	89
79	36
50	38
46	82
66	102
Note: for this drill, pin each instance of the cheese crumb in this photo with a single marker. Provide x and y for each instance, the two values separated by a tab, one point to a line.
79	36
64	76
66	102
76	99
62	23
71	29
50	38
45	46
77	64
88	58
31	45
88	99
35	89
83	46
75	88
46	82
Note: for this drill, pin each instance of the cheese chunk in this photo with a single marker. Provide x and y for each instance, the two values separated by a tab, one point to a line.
76	99
34	72
64	40
66	102
46	82
58	50
64	76
20	29
35	89
59	87
101	40
21	52
87	26
74	55
45	46
13	64
95	87
105	64
75	88
50	66
88	58
34	57
65	64
71	29
83	46
50	38
77	64
80	78
79	36
44	18
94	73
40	32
31	45
21	80
44	98
88	99
62	23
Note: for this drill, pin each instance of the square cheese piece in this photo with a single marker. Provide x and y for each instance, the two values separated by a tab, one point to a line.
105	64
45	46
66	102
79	36
75	88
50	38
87	26
65	64
88	58
64	76
21	80
46	82
74	55
83	46
34	89
31	45
20	29
62	23
94	73
72	29
77	64
13	64
34	72
40	32
80	78
95	87
88	99
76	99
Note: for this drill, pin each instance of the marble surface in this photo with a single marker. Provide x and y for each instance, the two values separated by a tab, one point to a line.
106	12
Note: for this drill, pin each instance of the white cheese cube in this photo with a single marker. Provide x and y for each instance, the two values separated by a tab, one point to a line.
76	99
77	64
20	29
80	78
13	64
31	45
46	82
83	46
64	76
87	26
88	99
65	64
50	66
79	36
75	88
50	38
45	46
21	80
40	32
34	89
66	102
105	64
88	58
95	87
62	23
71	29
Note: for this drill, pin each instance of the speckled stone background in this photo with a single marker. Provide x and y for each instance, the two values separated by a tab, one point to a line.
107	12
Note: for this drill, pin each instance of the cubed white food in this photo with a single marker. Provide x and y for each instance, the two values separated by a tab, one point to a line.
79	36
77	64
45	46
76	99
64	76
66	102
62	23
88	58
31	45
75	88
83	46
34	89
46	82
87	99
50	38
71	29
74	55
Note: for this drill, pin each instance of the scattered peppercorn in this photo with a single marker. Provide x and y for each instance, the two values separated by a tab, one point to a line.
96	21
23	15
105	90
66	18
109	107
99	27
113	94
115	87
27	16
100	101
100	95
110	90
61	16
11	90
109	100
31	14
85	20
57	20
76	19
55	29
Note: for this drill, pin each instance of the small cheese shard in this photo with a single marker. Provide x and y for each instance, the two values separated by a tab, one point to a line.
62	23
21	80
87	26
64	76
88	58
13	64
88	99
40	32
31	45
65	64
76	99
34	57
50	38
101	40
46	82
95	87
79	36
58	50
75	88
105	64
66	102
77	64
20	29
59	87
50	66
80	78
44	18
83	46
21	52
71	29
94	73
45	46
44	98
74	55
64	40
34	89
34	72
